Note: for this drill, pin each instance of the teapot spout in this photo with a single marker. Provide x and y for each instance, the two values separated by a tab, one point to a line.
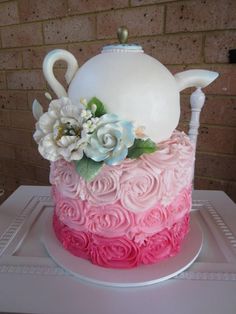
195	78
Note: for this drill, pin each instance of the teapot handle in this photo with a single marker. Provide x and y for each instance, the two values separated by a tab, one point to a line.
48	63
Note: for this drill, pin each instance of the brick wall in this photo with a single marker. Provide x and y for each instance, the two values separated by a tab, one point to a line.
181	34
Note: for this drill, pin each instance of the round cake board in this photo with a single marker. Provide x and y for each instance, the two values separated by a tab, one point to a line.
135	277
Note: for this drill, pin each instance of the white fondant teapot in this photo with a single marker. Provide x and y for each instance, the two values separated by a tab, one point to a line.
130	83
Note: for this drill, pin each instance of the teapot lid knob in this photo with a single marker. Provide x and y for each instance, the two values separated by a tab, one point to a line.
122	34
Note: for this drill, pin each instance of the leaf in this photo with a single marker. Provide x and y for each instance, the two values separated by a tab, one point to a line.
88	168
141	147
37	109
100	107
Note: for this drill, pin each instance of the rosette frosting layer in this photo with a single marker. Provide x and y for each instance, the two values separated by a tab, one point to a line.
133	213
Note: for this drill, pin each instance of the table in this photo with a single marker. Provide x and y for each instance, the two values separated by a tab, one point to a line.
30	282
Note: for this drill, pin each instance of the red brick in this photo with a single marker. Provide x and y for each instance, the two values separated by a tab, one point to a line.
16	137
17	169
10	59
32	10
216	139
31	156
7	151
22	35
8	13
26	80
217	46
60	75
85	6
200	15
140	21
217	110
33	57
225	84
204	183
13	100
32	95
2	80
85	51
22	119
174	49
145	2
231	190
42	175
4	117
216	166
72	29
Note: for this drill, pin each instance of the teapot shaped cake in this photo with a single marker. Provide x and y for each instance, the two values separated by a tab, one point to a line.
131	84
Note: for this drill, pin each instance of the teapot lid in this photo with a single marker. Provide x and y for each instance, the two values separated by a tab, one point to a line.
122	46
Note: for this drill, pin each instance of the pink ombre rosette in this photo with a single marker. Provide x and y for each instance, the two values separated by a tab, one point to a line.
121	252
109	220
105	187
114	220
139	189
65	177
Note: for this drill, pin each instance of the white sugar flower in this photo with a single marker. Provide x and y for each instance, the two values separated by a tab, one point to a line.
86	114
59	131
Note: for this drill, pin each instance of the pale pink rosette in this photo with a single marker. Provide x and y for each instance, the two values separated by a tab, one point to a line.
119	252
109	220
104	188
71	213
173	162
140	189
65	177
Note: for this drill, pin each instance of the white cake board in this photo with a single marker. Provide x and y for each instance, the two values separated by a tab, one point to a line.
136	277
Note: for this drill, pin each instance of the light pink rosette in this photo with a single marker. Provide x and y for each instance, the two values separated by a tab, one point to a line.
104	188
76	242
140	189
119	252
153	220
71	213
181	205
64	176
109	220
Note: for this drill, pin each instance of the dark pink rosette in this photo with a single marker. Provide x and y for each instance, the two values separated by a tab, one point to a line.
119	252
157	247
109	220
140	189
104	188
76	242
180	229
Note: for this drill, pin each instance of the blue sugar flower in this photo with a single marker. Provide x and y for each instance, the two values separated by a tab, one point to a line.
110	140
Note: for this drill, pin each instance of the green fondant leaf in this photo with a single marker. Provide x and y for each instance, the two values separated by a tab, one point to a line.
88	168
100	107
141	147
